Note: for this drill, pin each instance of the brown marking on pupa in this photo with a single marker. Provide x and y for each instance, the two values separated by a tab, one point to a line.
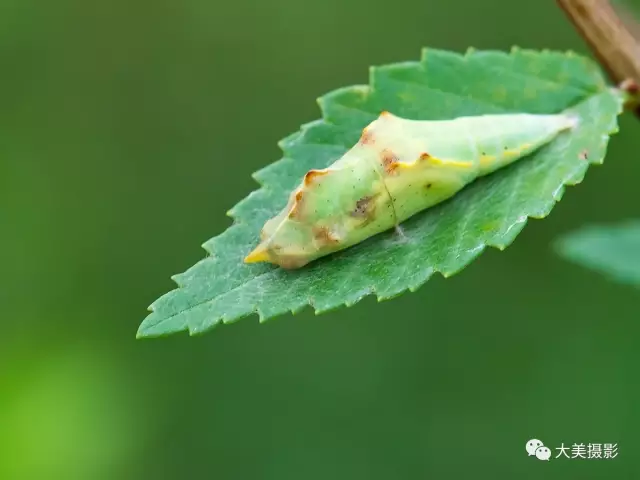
389	161
584	155
324	235
424	156
362	207
384	113
366	138
291	262
365	209
311	175
428	186
297	205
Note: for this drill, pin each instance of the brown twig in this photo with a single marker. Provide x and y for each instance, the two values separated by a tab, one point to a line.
627	16
609	37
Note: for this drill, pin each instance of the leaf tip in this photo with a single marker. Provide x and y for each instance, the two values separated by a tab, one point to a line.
142	333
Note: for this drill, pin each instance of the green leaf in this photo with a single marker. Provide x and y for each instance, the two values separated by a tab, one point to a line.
612	250
446	238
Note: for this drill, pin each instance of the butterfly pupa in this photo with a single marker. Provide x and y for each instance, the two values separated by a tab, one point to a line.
398	168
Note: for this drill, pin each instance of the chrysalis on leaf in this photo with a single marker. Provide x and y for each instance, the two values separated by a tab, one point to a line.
398	168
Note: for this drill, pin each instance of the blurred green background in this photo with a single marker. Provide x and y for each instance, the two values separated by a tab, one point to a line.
119	121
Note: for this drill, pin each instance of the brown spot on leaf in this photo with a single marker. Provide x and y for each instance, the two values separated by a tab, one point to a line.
425	156
428	186
584	155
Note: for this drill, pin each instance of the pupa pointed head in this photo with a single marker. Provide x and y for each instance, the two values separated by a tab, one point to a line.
286	244
258	255
285	258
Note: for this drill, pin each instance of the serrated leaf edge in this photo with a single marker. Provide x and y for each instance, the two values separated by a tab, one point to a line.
517	226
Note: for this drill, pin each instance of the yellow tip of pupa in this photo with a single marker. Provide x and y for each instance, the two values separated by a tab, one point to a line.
259	254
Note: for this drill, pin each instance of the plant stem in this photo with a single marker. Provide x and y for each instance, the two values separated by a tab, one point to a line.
612	42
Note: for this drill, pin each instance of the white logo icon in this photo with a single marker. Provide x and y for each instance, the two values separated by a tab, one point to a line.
532	445
543	453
